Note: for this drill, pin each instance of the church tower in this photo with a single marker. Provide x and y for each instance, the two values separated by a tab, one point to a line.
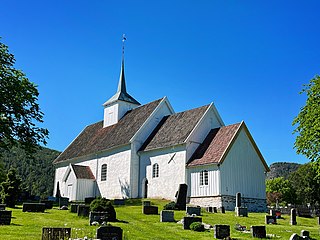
121	102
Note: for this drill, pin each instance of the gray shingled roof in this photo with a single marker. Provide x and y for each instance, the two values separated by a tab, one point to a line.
174	129
82	172
94	138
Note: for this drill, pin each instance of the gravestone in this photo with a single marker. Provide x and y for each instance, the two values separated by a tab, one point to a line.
305	234
5	217
2	206
74	207
56	233
209	209
48	204
83	211
99	217
167	216
188	220
63	201
294	237
304	212
215	209
181	199
272	212
270	219
119	202
222	210
146	203
33	207
89	200
318	218
293	217
109	233
258	231
240	211
194	210
221	231
150	210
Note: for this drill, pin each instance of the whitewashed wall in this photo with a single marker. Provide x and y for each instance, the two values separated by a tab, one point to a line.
171	173
242	170
70	187
213	187
115	111
208	122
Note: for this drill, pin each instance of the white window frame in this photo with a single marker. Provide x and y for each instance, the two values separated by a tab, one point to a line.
104	169
155	170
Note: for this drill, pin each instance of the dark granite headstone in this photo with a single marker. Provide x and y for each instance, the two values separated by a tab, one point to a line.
304	212
167	216
48	204
215	210
270	219
74	207
109	233
209	209
238	199
241	211
194	210
119	201
188	220
2	206
149	209
56	233
221	231
5	217
63	201
146	203
83	211
293	217
222	210
89	200
181	199
99	217
33	207
272	212
258	231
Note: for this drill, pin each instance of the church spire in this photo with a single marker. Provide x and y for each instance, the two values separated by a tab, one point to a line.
122	80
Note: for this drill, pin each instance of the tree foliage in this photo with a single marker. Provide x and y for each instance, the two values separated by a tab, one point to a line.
19	110
306	184
308	123
280	189
10	189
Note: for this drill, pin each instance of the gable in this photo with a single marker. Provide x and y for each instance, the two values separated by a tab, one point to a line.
95	138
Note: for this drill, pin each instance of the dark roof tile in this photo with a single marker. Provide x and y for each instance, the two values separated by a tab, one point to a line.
82	172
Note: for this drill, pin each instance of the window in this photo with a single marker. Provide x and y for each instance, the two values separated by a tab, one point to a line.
204	178
155	170
104	172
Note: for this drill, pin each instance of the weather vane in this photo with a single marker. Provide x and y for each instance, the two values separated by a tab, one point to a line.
123	40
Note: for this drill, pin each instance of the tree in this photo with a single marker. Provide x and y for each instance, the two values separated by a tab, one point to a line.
10	189
281	189
19	110
308	123
306	184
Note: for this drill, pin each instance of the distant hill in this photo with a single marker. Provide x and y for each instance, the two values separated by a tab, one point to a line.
282	169
37	174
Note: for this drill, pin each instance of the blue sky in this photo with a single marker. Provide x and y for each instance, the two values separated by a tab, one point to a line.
250	58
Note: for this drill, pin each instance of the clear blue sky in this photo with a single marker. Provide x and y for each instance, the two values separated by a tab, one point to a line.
250	58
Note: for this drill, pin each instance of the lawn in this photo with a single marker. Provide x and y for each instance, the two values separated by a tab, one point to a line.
135	225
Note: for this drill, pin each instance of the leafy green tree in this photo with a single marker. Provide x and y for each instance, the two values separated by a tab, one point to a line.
281	189
308	123
306	184
19	110
10	189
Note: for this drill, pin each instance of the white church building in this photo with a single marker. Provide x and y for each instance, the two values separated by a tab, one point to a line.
146	151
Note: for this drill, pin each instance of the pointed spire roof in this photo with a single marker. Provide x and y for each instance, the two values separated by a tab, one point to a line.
122	94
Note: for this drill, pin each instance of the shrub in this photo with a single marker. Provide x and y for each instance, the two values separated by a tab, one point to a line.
103	205
197	226
170	206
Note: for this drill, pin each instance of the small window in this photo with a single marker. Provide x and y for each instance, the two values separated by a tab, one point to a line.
104	172
204	178
155	170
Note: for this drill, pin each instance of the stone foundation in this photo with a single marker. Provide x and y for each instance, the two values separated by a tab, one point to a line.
229	203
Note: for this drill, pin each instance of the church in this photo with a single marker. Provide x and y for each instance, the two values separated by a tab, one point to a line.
148	150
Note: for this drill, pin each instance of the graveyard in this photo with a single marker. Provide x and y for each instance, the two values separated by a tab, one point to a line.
137	225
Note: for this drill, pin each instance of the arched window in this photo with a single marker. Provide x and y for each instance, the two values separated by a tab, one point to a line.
104	172
155	170
204	178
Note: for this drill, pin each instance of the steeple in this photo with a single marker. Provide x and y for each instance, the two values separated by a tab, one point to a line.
121	102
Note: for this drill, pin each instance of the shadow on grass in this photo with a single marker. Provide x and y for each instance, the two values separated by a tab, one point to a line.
14	224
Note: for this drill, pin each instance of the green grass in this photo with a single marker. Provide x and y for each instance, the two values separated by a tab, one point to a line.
135	225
